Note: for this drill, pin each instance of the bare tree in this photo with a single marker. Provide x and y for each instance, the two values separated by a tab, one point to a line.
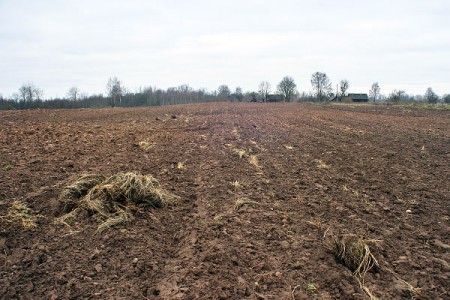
397	96
343	86
431	96
74	93
26	92
223	92
374	92
321	85
39	93
29	93
224	89
238	94
287	88
185	89
114	90
264	90
182	93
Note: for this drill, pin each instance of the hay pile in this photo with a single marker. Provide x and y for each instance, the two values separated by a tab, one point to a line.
71	194
354	253
113	200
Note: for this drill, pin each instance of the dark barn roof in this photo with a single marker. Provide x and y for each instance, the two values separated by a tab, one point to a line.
359	97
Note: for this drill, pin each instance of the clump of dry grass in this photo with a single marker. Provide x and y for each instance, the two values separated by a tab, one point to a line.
72	193
144	145
355	254
244	201
20	213
127	188
253	160
240	152
236	184
236	133
115	199
120	217
321	164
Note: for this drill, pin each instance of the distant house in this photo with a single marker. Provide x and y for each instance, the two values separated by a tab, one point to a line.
355	98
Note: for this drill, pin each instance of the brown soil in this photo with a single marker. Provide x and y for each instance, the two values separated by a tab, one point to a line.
378	172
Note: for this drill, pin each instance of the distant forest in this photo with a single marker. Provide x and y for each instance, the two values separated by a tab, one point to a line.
147	97
31	97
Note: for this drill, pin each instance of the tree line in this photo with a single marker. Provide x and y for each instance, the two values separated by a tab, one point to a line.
31	97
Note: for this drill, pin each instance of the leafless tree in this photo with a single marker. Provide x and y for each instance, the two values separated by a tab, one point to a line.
343	86
321	85
184	88
114	90
28	92
397	96
73	94
238	94
39	93
223	92
431	96
264	90
287	88
374	92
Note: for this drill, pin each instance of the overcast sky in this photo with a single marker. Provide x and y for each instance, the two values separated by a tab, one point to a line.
402	44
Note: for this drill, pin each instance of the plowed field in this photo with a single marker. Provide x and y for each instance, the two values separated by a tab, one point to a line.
261	187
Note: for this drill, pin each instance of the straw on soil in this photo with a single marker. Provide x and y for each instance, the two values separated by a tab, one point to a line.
244	201
20	213
118	218
240	152
72	193
116	198
144	145
355	254
253	160
321	164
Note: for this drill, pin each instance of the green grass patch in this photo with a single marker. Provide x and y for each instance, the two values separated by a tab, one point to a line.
311	288
7	167
427	106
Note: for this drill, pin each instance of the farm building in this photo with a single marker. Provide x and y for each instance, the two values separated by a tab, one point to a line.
355	98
